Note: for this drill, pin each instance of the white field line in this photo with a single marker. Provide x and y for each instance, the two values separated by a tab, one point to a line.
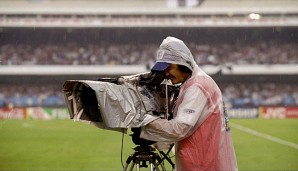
265	136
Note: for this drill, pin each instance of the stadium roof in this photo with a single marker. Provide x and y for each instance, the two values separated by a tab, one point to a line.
148	13
145	7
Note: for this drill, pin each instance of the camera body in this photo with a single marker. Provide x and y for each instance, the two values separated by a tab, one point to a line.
122	102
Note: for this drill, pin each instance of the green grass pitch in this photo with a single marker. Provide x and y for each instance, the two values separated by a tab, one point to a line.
68	145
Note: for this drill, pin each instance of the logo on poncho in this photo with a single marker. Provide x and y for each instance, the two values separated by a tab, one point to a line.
188	111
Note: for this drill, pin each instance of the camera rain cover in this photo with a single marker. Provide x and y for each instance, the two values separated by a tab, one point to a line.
108	105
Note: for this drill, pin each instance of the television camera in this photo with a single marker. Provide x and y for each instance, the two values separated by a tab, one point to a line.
121	103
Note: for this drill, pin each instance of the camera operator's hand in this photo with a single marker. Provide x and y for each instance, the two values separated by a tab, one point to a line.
153	79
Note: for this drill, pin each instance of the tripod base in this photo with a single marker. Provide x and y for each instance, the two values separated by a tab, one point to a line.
142	156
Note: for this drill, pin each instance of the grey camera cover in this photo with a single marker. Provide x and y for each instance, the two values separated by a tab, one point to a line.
108	105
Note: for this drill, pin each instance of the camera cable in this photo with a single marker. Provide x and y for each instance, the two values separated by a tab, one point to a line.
122	144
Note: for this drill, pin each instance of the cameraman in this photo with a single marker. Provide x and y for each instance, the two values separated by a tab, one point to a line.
200	126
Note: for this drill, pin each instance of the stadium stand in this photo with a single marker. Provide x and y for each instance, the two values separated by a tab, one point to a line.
31	95
221	34
73	53
236	95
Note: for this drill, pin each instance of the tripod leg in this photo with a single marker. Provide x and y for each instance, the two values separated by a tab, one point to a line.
128	161
138	166
165	156
160	162
132	166
151	167
153	163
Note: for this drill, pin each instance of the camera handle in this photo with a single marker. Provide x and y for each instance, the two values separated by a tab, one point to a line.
167	98
167	82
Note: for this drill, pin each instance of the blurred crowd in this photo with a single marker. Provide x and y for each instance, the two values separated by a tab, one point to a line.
235	95
260	94
31	95
72	53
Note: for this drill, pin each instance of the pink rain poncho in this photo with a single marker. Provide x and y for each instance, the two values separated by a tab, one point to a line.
199	128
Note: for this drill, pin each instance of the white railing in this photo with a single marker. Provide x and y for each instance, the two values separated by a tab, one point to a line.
98	70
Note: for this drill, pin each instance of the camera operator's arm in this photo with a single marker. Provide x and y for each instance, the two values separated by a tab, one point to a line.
191	111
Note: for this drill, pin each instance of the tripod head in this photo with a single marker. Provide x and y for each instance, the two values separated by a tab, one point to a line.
144	153
137	140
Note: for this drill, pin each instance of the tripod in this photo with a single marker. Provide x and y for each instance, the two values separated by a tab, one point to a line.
144	154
